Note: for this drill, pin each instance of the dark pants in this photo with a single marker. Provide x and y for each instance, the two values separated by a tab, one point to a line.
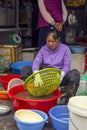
70	84
42	35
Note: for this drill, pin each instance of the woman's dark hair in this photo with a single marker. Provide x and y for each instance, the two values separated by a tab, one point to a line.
54	32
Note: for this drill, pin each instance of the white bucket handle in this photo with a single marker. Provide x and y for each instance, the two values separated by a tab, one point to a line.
14	82
73	124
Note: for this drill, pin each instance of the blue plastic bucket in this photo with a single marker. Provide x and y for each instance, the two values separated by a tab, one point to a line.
59	117
17	66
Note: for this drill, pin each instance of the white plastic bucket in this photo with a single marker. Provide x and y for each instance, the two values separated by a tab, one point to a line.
78	113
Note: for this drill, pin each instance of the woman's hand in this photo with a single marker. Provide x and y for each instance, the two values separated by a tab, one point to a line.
58	26
38	81
62	75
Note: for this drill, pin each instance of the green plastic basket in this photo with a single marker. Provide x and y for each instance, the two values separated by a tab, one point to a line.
50	78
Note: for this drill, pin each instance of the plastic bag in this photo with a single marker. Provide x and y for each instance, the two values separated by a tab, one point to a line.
2	65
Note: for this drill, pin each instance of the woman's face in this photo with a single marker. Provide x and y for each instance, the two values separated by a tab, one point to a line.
51	42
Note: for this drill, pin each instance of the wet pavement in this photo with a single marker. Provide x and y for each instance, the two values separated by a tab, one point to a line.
7	121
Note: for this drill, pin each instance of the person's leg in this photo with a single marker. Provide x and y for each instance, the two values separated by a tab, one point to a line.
72	76
71	83
42	36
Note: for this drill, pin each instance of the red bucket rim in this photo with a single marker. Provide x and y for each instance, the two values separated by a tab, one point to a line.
56	92
8	76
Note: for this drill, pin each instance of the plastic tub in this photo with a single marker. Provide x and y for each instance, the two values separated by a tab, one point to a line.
77	49
43	105
59	117
84	77
32	126
6	78
78	113
17	66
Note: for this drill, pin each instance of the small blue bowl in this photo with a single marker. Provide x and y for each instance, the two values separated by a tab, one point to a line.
77	49
59	117
32	126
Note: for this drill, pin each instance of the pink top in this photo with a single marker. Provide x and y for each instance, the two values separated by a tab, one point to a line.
51	10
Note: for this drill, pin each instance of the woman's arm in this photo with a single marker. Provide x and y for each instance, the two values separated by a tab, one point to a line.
59	26
67	61
46	15
38	60
65	12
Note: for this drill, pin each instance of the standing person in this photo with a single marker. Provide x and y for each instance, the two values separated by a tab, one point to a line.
71	30
72	18
57	55
51	13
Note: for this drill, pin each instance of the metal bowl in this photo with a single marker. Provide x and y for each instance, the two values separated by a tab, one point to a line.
4	109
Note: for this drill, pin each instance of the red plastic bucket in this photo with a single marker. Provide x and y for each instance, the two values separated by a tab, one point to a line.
20	103
6	78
